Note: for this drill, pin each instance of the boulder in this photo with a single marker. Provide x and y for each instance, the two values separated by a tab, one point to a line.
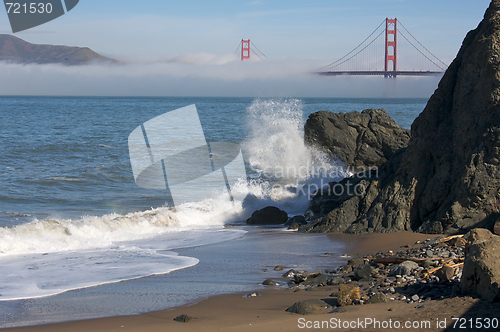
481	271
360	140
269	215
448	178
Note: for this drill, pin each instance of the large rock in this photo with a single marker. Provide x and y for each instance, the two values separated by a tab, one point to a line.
269	215
448	178
361	140
481	272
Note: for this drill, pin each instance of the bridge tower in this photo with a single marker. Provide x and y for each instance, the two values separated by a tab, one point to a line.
391	33
245	49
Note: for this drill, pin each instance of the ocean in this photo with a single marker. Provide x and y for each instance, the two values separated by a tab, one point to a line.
72	216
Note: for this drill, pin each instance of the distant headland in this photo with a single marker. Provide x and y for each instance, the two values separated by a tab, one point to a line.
16	50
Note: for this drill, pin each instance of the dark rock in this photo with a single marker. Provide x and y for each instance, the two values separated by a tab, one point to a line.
448	178
356	262
278	268
379	297
367	271
481	271
289	274
183	318
361	140
307	307
496	227
268	216
299	220
445	273
320	280
269	282
336	281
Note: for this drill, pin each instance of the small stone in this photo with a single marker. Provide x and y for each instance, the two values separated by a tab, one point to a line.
289	274
496	228
445	274
278	268
269	282
338	310
347	294
183	318
367	271
378	298
307	307
356	262
415	298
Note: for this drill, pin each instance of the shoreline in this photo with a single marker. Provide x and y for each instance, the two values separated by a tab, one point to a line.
267	312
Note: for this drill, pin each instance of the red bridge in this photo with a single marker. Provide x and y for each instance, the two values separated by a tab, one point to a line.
365	59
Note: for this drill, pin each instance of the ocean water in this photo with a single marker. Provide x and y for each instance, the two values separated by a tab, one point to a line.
71	215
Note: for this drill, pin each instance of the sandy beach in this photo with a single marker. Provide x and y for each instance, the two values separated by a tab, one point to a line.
266	312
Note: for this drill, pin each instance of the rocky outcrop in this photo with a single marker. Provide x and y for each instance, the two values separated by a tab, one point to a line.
481	272
448	178
269	215
360	140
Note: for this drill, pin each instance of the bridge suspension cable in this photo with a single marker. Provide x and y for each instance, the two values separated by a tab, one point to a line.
411	58
342	58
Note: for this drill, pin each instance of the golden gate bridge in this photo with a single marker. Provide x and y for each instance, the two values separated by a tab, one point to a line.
379	54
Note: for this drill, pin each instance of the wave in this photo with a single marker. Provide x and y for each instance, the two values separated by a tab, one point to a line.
282	171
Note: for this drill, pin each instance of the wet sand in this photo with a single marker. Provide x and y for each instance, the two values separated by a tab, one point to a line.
234	312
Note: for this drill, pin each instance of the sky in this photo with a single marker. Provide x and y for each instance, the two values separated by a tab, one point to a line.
188	47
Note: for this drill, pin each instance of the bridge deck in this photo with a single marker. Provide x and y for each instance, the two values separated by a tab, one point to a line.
381	72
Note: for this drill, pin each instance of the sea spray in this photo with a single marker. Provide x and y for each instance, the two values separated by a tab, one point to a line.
286	171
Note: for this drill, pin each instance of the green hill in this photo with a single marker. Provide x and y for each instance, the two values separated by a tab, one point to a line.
17	50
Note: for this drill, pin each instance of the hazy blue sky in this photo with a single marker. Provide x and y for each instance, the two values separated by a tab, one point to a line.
291	28
309	33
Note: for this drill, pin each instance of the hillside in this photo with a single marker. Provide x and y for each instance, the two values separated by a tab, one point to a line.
17	50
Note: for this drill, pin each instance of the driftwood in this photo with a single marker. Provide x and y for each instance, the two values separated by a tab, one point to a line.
395	260
434	270
446	239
